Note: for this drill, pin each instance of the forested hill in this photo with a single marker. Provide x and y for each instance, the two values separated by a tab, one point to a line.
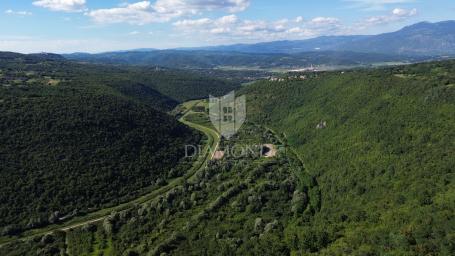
199	59
163	88
29	58
151	84
76	137
65	152
381	144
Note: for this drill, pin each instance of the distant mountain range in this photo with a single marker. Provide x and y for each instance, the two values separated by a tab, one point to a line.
421	41
323	43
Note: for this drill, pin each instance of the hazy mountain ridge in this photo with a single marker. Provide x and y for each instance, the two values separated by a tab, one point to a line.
423	38
419	39
415	43
285	46
200	59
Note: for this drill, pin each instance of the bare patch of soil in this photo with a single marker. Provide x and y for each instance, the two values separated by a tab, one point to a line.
269	150
218	155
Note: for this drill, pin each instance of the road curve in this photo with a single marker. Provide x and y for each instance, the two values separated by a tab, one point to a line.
213	140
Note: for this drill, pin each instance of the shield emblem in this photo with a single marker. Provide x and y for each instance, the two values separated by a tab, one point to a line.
227	113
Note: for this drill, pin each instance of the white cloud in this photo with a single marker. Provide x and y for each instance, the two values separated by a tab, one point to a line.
231	29
20	13
323	21
145	12
376	4
403	12
230	19
301	32
396	15
62	5
191	23
138	13
196	6
235	29
220	30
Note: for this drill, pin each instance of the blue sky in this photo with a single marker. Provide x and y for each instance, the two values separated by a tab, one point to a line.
96	26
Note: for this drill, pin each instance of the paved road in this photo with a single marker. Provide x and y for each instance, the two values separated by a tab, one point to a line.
213	140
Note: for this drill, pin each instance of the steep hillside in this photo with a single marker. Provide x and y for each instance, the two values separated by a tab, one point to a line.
381	145
69	153
239	205
76	138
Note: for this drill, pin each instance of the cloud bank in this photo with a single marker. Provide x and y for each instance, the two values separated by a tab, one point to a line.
62	5
232	28
146	12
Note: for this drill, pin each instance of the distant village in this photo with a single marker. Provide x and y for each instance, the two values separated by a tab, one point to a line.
291	75
282	79
308	69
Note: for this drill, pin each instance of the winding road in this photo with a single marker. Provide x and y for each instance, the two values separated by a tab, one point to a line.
213	141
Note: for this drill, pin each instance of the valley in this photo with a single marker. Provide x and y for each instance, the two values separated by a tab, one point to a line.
227	127
97	130
201	192
317	183
125	160
211	141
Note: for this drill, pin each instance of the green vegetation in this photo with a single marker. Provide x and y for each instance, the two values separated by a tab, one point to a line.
232	60
198	114
364	165
237	205
157	87
93	140
381	144
241	204
80	153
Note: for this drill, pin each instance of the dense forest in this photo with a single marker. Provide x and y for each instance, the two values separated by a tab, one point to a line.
241	205
233	60
76	137
381	144
161	88
364	163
